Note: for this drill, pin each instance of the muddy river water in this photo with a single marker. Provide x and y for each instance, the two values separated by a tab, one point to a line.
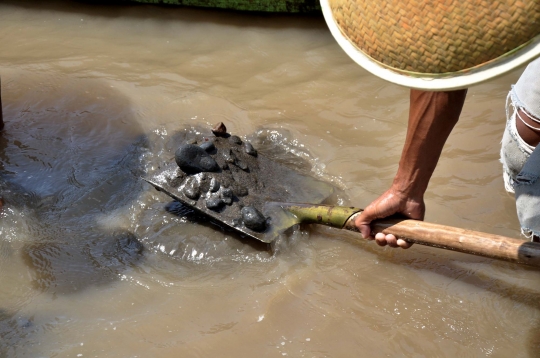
93	265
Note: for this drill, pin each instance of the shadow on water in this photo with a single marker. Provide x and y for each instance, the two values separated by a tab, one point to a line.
67	160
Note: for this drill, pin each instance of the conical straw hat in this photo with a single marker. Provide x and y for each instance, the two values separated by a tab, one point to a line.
437	44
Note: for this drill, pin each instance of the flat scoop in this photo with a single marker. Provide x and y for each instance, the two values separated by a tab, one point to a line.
246	180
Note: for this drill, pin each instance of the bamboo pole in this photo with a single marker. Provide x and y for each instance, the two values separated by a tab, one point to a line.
424	233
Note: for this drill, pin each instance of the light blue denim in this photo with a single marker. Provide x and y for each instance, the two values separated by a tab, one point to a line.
521	162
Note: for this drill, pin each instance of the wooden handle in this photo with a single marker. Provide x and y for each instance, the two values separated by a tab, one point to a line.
456	239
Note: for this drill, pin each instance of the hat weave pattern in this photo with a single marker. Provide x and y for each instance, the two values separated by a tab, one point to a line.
437	36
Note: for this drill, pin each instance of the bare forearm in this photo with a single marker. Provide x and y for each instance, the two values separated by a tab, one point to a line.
432	117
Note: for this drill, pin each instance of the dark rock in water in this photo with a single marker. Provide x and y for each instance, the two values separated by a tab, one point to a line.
129	244
214	185
235	139
253	219
214	203
219	130
122	248
125	248
193	159
226	195
192	189
208	146
240	164
249	149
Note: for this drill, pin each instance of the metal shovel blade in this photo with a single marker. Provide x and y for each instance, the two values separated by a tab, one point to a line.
234	225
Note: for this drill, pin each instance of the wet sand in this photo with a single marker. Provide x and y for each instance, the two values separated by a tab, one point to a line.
93	98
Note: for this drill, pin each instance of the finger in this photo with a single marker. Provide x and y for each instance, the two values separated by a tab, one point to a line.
391	240
365	230
362	223
370	236
404	244
380	239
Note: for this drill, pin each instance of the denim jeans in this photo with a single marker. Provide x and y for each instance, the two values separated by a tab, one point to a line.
521	172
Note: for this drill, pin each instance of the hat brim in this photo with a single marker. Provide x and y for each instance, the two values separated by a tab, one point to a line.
439	81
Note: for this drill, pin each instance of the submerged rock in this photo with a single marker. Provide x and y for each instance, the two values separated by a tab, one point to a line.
123	247
128	243
193	159
253	219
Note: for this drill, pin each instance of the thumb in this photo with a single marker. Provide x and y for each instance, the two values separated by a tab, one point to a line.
362	222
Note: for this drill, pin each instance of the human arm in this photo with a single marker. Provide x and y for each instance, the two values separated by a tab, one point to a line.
432	116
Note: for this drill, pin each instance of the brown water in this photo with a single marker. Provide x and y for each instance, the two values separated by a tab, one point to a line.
93	97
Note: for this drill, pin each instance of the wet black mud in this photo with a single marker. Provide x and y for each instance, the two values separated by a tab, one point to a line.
226	178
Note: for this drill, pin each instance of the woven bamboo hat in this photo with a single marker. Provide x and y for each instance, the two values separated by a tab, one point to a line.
436	44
